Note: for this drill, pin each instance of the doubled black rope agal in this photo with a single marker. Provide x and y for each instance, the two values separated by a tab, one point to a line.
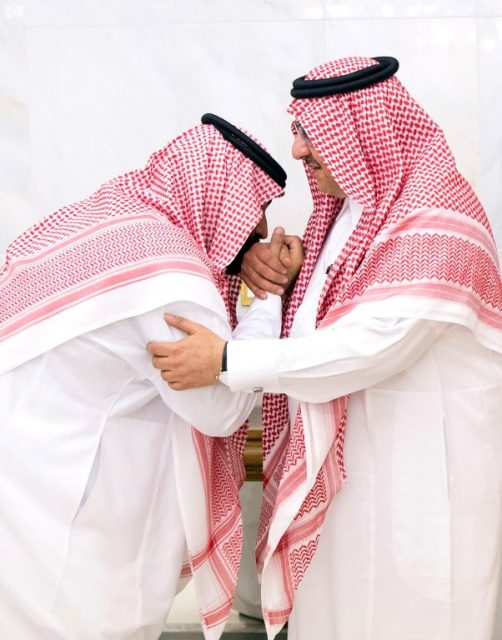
248	147
385	68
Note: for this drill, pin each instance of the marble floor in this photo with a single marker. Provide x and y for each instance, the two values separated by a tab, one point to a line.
238	628
183	624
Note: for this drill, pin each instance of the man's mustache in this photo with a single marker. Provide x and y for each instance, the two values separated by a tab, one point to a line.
311	163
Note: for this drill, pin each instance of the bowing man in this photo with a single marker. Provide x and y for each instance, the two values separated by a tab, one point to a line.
109	479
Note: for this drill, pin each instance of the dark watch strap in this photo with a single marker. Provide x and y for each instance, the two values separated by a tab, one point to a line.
224	358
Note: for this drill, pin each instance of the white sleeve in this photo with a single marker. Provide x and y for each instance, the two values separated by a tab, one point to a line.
215	410
354	353
261	320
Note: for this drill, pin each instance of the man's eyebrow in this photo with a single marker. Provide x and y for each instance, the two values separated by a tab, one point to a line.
301	130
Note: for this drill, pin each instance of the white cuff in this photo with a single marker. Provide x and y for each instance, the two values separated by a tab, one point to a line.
261	320
251	365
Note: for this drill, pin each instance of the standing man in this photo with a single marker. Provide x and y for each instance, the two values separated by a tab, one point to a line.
108	478
389	379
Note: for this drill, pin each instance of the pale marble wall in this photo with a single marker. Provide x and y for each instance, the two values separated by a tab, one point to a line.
88	88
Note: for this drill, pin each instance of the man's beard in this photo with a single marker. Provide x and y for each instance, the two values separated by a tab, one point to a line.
234	268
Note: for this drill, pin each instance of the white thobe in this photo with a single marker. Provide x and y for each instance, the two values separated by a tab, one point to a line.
91	540
410	549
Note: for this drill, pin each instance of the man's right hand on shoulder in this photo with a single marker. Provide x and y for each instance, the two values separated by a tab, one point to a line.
271	267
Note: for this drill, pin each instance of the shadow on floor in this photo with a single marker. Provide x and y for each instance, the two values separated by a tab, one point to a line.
228	635
244	629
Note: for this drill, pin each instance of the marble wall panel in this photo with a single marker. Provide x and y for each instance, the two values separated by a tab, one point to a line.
51	13
490	121
489	8
399	8
15	161
101	99
89	89
438	61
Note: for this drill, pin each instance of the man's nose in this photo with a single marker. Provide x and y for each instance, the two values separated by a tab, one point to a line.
261	228
300	148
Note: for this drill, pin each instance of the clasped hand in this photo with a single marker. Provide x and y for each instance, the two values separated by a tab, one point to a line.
271	267
195	361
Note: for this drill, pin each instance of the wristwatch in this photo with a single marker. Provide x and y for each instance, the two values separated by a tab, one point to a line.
224	359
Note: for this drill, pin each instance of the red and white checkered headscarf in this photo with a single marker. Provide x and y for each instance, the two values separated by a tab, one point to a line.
198	196
422	248
188	211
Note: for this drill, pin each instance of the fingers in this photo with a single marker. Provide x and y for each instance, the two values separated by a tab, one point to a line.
262	279
278	246
265	271
259	285
187	326
268	265
193	361
164	349
177	385
173	378
181	377
272	267
159	348
160	362
293	242
295	250
276	241
284	256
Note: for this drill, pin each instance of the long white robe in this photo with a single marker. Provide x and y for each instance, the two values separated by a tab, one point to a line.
411	547
91	538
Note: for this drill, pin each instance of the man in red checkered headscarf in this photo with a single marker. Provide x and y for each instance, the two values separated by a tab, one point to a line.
105	487
382	440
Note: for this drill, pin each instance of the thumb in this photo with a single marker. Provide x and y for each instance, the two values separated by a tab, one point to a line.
284	256
187	326
294	243
276	240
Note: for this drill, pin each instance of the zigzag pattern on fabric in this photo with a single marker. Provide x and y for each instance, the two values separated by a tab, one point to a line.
388	155
130	245
191	208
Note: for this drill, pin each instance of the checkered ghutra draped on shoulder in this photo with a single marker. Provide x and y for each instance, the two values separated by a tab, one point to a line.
423	235
188	211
